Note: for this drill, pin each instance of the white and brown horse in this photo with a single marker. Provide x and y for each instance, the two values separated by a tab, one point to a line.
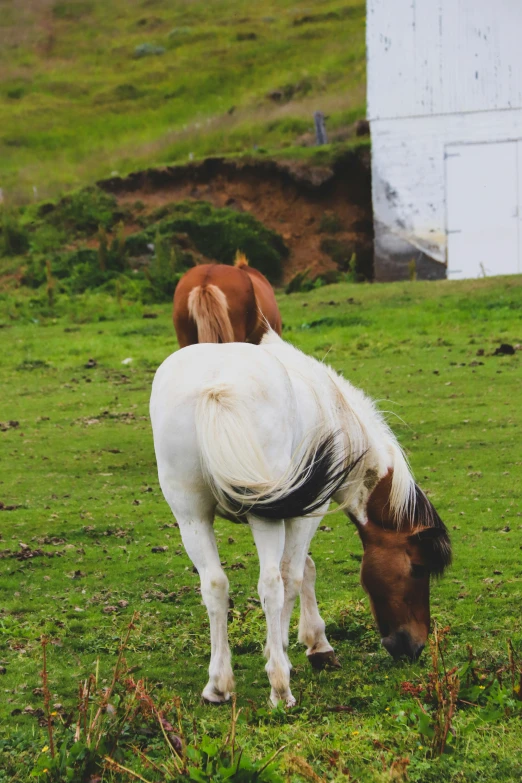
268	435
217	303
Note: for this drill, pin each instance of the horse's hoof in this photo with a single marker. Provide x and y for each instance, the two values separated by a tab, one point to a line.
288	701
215	698
323	660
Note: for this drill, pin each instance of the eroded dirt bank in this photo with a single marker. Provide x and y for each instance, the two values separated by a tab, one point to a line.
324	213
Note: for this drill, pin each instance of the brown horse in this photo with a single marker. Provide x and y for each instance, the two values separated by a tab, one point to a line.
217	303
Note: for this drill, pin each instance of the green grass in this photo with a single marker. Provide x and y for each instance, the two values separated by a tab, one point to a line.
76	102
80	467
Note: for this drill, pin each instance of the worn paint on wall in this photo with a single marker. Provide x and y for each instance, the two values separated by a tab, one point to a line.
443	56
440	72
408	183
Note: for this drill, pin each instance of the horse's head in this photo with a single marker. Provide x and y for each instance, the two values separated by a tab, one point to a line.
399	558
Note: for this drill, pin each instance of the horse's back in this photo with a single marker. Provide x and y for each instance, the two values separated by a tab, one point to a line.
266	303
258	384
236	286
200	364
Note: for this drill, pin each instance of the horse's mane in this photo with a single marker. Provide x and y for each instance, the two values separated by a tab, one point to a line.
371	441
433	536
371	444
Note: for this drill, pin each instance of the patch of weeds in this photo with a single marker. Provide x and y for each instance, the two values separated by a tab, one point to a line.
46	239
288	91
330	223
246	36
32	364
219	233
298	281
497	689
164	271
356	11
122	729
107	268
146	331
148	50
342	320
14	238
488	695
126	92
72	9
302	281
179	33
355	258
82	213
15	93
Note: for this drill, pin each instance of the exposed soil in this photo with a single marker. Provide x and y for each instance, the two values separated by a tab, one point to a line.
305	204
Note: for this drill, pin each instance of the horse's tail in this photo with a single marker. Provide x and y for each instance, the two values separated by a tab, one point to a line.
239	474
208	307
240	260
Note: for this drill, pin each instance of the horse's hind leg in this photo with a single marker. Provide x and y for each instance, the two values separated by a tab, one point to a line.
311	625
269	538
200	544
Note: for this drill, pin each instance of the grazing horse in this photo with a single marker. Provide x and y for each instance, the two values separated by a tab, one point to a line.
267	435
216	303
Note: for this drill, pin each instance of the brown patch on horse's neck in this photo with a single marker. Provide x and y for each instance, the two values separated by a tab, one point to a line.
378	508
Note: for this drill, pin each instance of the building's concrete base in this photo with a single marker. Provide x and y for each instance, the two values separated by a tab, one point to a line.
397	259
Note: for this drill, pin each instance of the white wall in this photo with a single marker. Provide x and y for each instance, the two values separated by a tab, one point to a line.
408	175
440	72
443	56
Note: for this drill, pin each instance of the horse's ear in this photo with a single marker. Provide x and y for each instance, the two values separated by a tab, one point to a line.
426	534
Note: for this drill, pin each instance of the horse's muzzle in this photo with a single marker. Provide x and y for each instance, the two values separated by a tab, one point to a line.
400	644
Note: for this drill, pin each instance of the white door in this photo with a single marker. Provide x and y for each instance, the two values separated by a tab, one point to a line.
482	202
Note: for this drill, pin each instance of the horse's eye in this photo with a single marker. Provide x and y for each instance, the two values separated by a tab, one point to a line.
418	571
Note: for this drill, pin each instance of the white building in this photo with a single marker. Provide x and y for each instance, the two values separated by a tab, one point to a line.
445	111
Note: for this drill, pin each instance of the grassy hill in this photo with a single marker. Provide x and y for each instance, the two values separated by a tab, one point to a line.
88	87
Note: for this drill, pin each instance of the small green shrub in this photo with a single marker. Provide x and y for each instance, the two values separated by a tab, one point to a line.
14	238
330	223
83	212
302	281
111	722
140	244
163	272
353	258
144	266
15	93
219	233
298	281
46	239
126	92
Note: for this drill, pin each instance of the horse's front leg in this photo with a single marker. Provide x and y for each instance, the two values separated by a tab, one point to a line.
269	538
298	534
311	625
200	544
